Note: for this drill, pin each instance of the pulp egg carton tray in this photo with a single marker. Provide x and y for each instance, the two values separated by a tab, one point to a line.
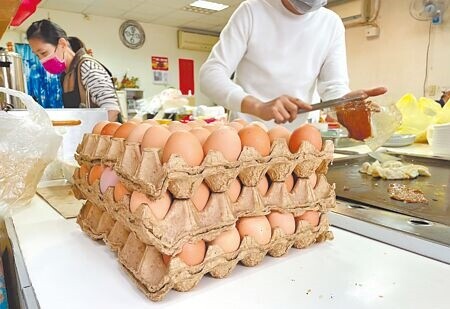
184	223
145	265
143	171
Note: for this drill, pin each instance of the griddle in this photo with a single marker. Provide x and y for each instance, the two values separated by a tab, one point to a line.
353	186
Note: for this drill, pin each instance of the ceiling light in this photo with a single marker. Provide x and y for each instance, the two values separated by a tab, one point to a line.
208	5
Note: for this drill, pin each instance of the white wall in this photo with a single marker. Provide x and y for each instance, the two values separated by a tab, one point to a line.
397	58
102	35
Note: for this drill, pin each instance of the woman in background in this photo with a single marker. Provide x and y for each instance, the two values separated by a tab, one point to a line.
85	81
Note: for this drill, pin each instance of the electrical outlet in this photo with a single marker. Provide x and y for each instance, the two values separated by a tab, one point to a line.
431	90
372	32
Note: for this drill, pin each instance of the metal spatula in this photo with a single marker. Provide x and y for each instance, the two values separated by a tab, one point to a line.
335	102
383	157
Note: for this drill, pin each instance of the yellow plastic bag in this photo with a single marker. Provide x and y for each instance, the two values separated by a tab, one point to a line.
418	115
444	115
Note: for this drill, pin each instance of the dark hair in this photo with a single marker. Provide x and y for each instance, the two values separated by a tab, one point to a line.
75	43
47	31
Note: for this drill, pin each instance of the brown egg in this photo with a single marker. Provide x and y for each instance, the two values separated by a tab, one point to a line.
194	124
201	134
284	221
313	217
201	122
155	137
110	128
120	191
234	191
256	227
175	126
289	183
313	180
138	133
225	140
241	121
84	171
235	125
166	259
159	207
99	127
201	196
263	186
95	173
193	254
108	179
210	127
136	119
152	122
186	145
229	240
279	132
254	136
124	130
259	124
305	133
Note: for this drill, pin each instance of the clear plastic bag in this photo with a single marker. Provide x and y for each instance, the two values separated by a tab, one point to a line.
27	145
371	124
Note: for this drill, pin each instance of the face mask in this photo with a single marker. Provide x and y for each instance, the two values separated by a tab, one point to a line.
307	6
53	64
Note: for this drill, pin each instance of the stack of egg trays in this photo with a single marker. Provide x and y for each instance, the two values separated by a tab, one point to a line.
140	238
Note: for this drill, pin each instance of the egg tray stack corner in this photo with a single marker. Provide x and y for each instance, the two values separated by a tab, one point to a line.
141	240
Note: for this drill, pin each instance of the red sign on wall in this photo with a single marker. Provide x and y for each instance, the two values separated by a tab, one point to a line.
160	63
186	68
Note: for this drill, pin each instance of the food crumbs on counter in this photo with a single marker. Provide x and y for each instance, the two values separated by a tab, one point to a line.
434	199
346	188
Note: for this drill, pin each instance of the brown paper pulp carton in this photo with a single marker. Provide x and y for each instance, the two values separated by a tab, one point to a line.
145	265
140	238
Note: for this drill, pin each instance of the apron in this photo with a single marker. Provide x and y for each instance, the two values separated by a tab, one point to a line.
75	95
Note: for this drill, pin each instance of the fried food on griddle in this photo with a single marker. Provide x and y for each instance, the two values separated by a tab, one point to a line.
394	170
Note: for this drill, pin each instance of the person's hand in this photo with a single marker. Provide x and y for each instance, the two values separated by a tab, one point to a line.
367	93
282	109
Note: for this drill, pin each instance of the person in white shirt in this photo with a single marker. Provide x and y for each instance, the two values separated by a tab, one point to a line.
281	52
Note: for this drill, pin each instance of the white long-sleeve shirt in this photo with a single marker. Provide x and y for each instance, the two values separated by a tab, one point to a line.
274	52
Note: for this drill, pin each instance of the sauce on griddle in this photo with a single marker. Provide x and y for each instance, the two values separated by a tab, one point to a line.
403	193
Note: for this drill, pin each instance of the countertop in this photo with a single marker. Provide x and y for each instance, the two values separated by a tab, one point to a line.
414	149
69	270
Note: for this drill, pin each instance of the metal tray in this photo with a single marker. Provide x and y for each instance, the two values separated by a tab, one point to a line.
353	186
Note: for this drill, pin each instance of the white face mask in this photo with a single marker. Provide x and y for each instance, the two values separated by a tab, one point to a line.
307	6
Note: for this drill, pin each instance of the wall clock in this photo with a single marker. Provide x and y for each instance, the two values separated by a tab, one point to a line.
132	34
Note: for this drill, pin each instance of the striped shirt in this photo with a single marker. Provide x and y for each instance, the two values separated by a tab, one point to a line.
96	79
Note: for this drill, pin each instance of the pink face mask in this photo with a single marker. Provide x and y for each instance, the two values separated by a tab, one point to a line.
53	64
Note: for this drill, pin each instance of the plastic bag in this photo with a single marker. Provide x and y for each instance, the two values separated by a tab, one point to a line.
418	115
27	145
373	127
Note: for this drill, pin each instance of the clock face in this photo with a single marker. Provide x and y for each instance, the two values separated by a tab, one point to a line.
132	34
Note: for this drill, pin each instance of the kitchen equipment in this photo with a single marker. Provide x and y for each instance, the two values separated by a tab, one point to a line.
359	188
383	157
334	103
400	140
11	77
